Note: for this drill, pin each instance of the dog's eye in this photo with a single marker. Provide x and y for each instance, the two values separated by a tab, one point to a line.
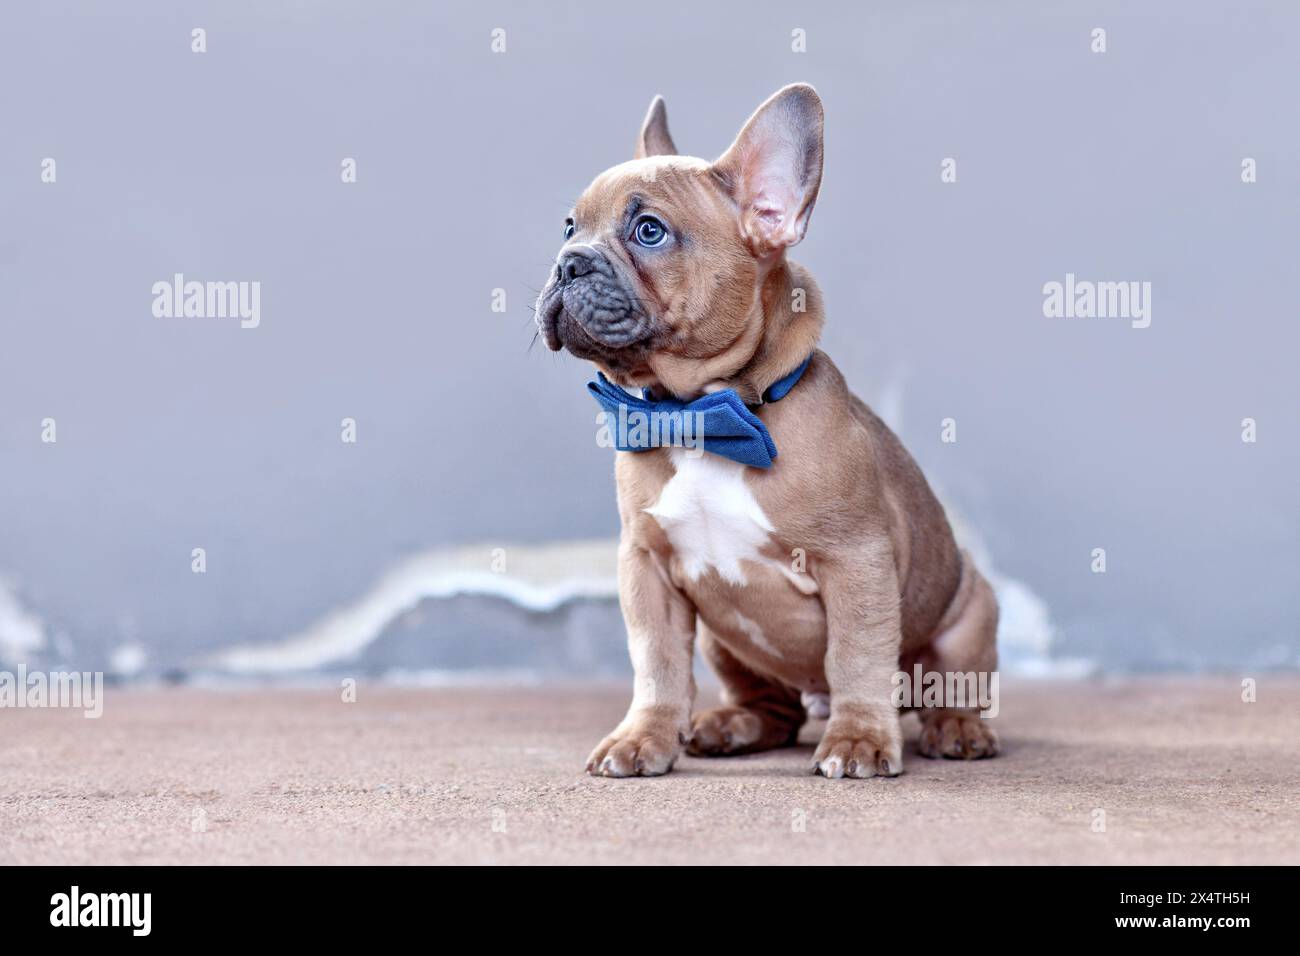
650	232
568	229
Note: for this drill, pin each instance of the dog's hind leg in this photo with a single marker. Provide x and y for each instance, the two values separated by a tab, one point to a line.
757	713
965	644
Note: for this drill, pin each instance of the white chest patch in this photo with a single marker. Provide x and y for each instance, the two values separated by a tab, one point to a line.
711	517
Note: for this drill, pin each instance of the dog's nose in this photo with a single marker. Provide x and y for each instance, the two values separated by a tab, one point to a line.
576	262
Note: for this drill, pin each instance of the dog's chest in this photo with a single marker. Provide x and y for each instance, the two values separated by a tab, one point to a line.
726	557
711	517
715	523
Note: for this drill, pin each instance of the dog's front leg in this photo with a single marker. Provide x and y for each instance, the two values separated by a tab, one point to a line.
661	639
864	630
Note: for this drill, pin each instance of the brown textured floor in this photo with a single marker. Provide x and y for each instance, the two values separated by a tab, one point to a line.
1184	770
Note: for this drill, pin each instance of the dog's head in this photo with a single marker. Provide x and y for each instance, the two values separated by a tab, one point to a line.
660	278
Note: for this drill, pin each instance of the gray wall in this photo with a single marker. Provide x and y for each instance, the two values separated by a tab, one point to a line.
1072	434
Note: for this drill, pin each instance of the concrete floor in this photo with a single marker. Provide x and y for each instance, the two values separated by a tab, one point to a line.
1184	771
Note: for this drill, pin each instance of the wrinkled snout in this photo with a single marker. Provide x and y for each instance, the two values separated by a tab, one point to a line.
587	306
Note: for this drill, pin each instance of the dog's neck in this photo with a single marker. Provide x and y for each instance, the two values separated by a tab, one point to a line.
782	331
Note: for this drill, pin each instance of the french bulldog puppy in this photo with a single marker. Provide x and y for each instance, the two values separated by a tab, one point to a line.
824	573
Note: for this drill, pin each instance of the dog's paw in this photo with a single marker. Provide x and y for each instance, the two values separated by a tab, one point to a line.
860	748
956	735
725	730
645	749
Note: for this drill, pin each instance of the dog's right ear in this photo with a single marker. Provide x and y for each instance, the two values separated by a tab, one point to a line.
654	139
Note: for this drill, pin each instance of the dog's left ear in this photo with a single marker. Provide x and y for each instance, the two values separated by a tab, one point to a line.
654	139
774	169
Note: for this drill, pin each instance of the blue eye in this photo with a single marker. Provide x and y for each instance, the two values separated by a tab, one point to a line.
650	232
568	229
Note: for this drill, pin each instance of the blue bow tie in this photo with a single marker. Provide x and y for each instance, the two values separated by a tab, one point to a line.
721	421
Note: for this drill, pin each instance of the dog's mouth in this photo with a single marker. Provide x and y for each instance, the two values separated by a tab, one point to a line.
550	306
592	316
